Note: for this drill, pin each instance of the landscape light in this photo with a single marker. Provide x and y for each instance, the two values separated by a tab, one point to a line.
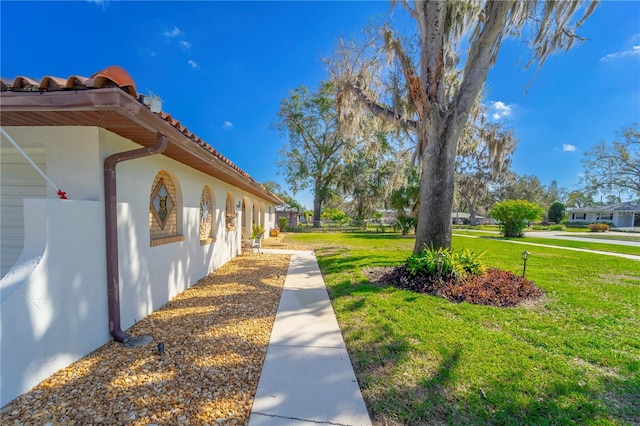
525	256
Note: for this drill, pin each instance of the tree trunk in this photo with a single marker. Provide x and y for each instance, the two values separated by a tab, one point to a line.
472	213
317	205
436	188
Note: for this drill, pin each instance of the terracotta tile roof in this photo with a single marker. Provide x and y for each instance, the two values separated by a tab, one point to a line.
112	76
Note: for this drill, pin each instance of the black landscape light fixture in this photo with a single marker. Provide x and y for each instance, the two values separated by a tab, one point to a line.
525	256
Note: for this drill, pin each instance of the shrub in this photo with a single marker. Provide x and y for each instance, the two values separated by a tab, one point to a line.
598	227
257	231
283	222
556	228
493	287
556	212
445	263
514	215
405	224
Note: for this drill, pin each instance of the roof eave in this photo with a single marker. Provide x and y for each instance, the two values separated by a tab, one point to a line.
115	101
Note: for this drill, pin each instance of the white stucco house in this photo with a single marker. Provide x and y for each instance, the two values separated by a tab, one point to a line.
76	272
622	215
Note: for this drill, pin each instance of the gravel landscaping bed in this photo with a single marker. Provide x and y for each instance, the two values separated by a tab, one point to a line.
280	242
215	337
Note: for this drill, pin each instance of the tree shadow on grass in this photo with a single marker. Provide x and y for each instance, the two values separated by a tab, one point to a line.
440	398
376	236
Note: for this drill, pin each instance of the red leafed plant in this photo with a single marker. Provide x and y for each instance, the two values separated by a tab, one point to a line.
493	287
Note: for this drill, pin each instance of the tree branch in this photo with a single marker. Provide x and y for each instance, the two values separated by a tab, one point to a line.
413	80
381	112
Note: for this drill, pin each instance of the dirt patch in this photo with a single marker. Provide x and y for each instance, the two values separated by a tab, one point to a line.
215	337
378	276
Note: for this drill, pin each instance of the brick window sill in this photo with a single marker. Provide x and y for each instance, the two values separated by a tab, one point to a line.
168	239
206	241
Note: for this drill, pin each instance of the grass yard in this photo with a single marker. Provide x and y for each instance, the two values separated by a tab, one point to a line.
571	358
604	236
611	248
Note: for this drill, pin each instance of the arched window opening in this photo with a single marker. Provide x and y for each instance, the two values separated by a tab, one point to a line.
163	211
207	216
230	214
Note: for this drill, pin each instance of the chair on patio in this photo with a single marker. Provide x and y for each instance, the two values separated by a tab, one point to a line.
247	243
257	244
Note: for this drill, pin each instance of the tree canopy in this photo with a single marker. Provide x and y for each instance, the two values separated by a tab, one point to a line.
406	80
478	164
313	156
614	168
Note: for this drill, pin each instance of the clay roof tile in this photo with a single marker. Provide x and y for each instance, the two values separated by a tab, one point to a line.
75	82
50	83
25	83
114	75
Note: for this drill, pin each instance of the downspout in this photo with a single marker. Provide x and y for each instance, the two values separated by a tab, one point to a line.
111	227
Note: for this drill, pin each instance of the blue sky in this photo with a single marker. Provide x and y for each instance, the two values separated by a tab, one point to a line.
222	68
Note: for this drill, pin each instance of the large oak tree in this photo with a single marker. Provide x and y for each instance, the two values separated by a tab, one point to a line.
313	157
405	80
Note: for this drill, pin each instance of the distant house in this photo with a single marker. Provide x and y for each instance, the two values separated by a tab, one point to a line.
76	272
622	215
459	218
292	214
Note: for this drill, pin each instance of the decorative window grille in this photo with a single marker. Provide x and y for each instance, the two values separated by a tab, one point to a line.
230	214
207	216
163	211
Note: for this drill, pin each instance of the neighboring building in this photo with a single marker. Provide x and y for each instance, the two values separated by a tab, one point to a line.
459	218
292	214
77	272
622	215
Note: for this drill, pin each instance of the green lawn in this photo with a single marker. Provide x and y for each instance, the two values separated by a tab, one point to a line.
604	246
604	236
571	358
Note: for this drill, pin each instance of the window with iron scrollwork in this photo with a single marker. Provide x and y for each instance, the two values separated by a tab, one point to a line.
207	216
230	213
163	210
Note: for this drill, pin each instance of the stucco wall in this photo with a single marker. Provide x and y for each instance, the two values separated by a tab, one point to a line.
54	306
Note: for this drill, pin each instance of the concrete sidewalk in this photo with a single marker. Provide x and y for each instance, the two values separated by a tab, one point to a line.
307	377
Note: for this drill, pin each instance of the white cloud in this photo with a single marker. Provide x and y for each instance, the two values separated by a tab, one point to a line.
101	3
185	44
227	125
173	33
193	64
499	110
634	51
567	147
